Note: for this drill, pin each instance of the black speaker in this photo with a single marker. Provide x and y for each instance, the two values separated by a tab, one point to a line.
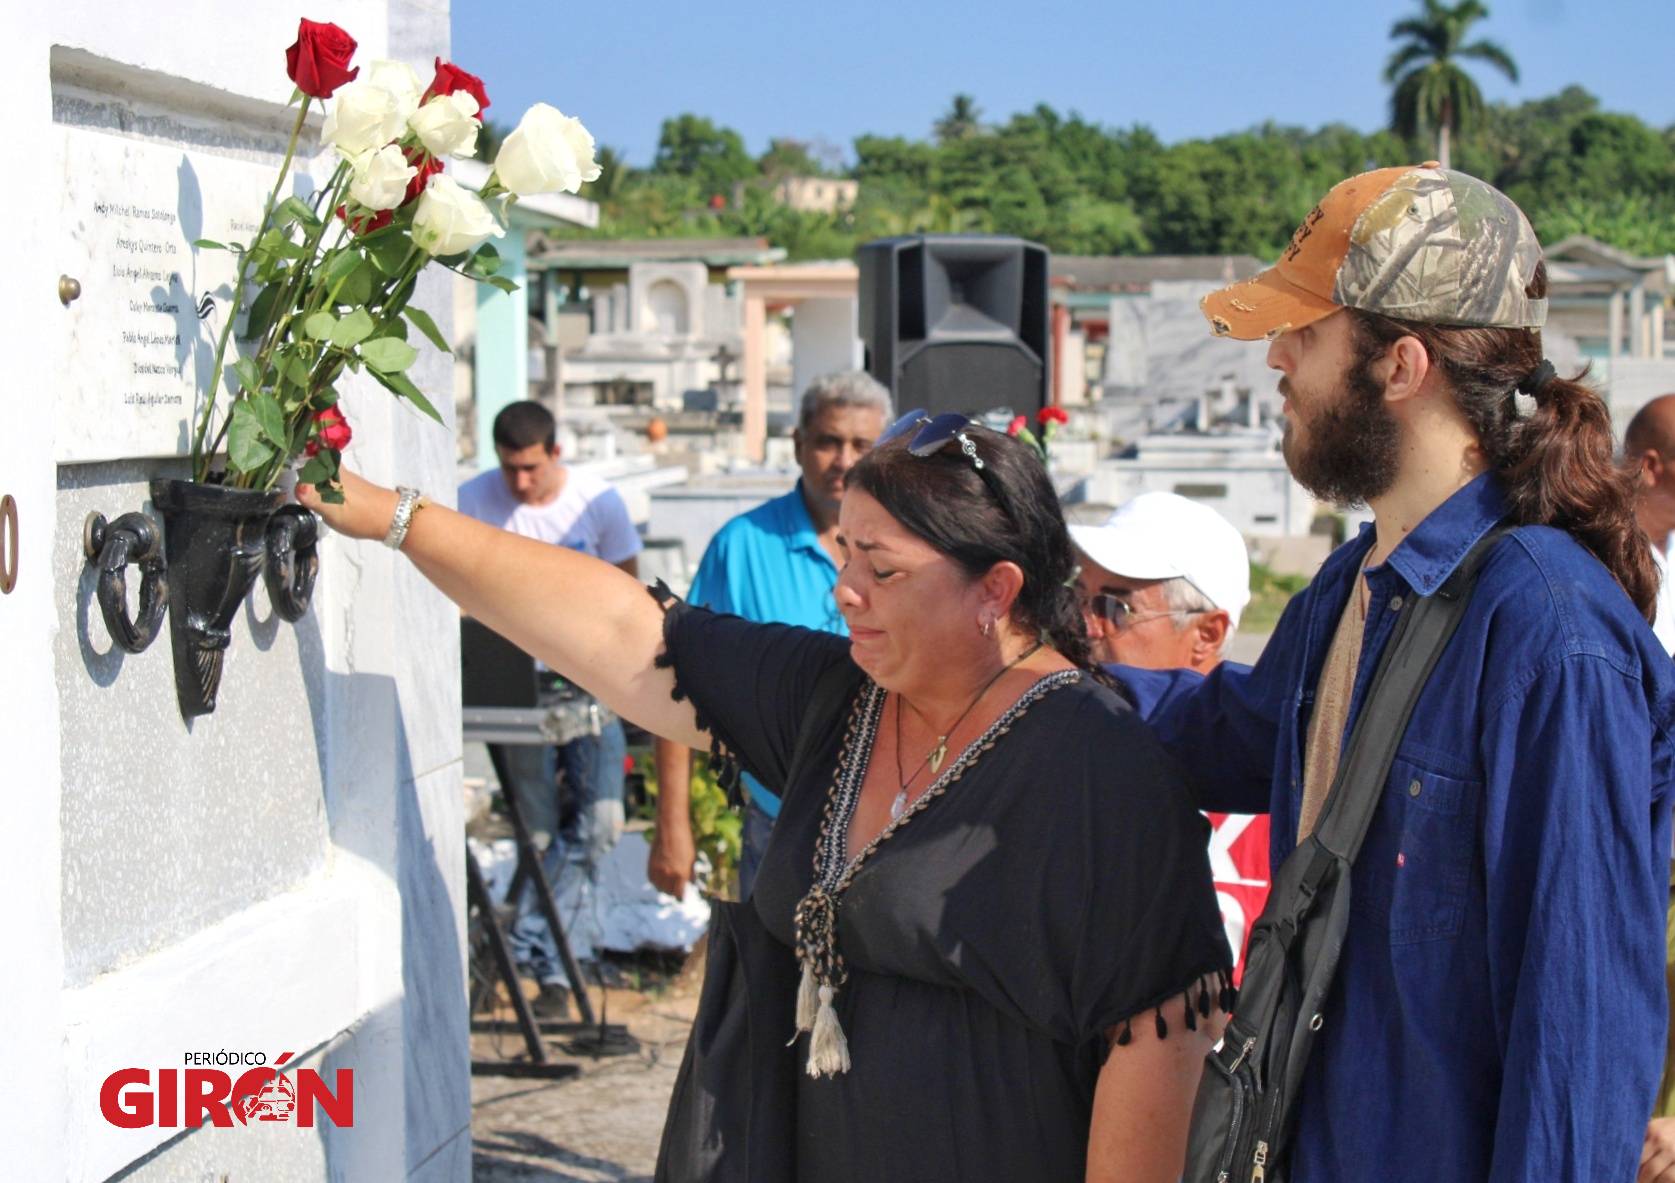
956	322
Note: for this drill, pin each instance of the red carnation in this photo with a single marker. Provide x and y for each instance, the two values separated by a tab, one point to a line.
318	63
1052	415
331	430
1017	425
450	78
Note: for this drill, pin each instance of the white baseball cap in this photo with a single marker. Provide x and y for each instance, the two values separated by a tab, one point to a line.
1167	536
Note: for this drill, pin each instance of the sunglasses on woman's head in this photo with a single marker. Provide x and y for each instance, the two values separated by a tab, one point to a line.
935	434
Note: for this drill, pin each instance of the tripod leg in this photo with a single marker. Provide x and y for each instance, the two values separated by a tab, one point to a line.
529	863
478	894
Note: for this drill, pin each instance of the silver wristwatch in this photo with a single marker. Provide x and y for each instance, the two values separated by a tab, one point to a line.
409	503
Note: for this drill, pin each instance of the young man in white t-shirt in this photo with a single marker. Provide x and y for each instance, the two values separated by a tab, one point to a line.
533	493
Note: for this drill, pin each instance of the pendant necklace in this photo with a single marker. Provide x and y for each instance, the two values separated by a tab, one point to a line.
939	753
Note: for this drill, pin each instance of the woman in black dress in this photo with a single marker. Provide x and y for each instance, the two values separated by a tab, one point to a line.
994	882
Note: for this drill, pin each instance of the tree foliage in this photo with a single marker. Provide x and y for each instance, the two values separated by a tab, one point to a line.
1433	92
1079	187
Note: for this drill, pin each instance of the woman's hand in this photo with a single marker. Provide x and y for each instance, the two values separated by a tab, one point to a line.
365	511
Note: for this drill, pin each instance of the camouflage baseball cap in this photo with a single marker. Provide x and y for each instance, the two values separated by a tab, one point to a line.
1417	243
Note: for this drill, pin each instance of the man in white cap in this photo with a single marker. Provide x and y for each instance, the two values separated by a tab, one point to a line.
1162	583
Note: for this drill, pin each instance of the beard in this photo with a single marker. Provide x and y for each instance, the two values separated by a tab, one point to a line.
1352	448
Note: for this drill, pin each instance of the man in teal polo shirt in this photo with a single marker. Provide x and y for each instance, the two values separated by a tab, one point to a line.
777	563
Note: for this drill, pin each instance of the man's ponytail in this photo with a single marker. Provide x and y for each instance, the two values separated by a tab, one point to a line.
1557	458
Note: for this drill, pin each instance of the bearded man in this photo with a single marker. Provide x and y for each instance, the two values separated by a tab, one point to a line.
1500	990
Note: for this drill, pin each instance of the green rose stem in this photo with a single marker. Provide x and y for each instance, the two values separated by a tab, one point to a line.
332	360
199	457
295	280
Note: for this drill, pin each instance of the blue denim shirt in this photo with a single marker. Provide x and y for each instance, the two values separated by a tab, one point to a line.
1500	1006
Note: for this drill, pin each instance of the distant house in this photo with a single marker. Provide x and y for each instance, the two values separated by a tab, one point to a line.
1613	303
641	321
817	195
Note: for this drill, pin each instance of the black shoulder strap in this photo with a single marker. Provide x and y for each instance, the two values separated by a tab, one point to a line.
1422	632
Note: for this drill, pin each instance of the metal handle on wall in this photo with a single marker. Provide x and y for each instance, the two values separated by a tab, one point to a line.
293	560
131	538
8	545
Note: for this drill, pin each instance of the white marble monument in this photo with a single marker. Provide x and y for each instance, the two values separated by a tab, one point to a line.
286	874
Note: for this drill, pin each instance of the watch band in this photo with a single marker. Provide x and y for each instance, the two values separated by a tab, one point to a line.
410	501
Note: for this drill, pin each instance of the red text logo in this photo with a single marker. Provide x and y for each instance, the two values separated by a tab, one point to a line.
134	1098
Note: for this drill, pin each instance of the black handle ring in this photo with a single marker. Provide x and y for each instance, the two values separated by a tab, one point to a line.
131	538
293	560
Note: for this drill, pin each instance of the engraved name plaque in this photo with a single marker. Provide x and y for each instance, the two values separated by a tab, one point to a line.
140	338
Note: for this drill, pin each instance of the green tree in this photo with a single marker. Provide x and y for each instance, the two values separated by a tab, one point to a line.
692	146
961	121
1432	91
789	158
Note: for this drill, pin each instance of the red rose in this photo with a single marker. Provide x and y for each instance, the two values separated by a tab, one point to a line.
450	78
428	167
318	62
1052	415
367	222
331	430
1017	425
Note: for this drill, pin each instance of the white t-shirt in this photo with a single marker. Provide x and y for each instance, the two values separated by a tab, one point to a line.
587	515
1663	623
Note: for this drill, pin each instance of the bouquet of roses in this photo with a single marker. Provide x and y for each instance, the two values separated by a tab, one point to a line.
325	283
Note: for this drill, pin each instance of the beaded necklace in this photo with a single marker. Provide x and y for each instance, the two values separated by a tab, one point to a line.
816	914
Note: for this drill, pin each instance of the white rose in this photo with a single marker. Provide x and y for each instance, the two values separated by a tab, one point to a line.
363	117
447	125
381	177
550	152
451	220
399	79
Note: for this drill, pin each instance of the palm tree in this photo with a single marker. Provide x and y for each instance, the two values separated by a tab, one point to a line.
961	120
1432	91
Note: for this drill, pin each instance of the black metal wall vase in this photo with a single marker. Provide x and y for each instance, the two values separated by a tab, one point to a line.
217	541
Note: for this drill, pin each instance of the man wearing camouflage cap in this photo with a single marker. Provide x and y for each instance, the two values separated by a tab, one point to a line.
1497	1005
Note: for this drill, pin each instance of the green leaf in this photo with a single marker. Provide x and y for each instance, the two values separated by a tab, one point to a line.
501	282
422	321
354	328
208	244
342	263
314	470
403	386
322	399
265	409
387	250
484	263
262	310
295	368
357	288
246	449
387	355
248	376
295	209
320	326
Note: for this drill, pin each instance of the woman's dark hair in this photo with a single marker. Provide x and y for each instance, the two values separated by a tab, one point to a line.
945	501
1558	465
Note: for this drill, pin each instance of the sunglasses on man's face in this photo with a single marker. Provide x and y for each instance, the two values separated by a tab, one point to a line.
1120	614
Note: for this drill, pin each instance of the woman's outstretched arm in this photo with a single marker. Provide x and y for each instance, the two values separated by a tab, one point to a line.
593	623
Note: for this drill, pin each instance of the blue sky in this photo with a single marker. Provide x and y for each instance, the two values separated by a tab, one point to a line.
829	71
